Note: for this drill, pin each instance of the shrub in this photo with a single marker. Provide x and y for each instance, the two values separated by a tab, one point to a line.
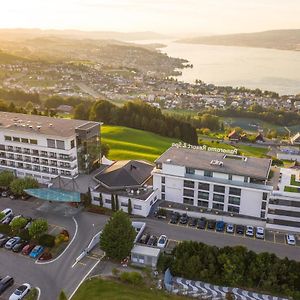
5	229
59	239
47	240
134	278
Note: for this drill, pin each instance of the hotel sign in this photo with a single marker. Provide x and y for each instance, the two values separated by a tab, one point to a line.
205	148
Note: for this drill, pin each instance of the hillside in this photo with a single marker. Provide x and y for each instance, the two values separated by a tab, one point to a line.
7	58
275	39
128	143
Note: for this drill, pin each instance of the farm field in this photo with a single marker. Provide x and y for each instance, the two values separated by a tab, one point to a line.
128	143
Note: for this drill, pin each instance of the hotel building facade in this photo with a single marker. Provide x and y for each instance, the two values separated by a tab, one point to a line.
45	147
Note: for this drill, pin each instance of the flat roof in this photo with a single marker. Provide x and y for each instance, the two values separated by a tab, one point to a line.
217	162
41	124
144	250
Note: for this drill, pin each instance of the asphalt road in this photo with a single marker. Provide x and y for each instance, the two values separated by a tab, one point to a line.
53	277
62	274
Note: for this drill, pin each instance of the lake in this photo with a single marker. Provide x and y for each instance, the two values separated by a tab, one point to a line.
267	69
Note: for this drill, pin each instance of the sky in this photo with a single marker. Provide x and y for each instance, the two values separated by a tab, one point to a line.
164	16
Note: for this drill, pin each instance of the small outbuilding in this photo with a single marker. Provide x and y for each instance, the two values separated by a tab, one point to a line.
144	256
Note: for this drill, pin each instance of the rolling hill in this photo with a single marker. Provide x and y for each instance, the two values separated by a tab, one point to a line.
288	39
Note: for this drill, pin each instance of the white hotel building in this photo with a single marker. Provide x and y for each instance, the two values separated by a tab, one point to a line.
44	147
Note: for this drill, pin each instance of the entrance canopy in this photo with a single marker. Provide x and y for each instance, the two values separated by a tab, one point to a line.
57	195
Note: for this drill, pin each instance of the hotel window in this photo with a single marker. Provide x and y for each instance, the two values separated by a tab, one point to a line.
263	205
189	184
108	201
202	203
26	141
163	179
235	191
188	193
125	204
203	195
189	171
203	186
218	206
208	173
219	188
265	196
229	177
60	144
218	198
50	143
246	179
16	139
234	200
7	138
139	207
163	196
188	201
72	144
234	209
163	188
34	142
263	214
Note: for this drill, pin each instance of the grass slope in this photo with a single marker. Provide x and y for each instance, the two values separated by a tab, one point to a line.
7	58
128	143
96	289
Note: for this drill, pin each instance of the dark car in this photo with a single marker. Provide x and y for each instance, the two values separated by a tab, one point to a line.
193	222
220	226
45	256
211	224
3	240
152	241
19	246
5	283
184	219
175	218
240	229
201	223
27	249
144	239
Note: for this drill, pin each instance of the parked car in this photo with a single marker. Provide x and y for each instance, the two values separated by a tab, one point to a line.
193	222
12	197
152	240
184	219
45	256
240	229
250	231
162	241
175	218
5	283
144	239
36	251
260	233
20	292
19	246
8	219
7	212
201	223
27	249
220	226
12	242
3	240
230	228
290	239
5	194
161	214
211	224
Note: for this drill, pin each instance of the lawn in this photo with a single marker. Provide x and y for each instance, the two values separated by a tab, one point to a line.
98	289
128	143
294	181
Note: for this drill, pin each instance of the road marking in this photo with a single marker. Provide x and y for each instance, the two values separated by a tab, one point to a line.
58	257
39	293
87	274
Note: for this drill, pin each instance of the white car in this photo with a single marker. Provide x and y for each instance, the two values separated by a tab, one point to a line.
290	239
260	233
20	292
250	231
162	241
230	228
7	212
